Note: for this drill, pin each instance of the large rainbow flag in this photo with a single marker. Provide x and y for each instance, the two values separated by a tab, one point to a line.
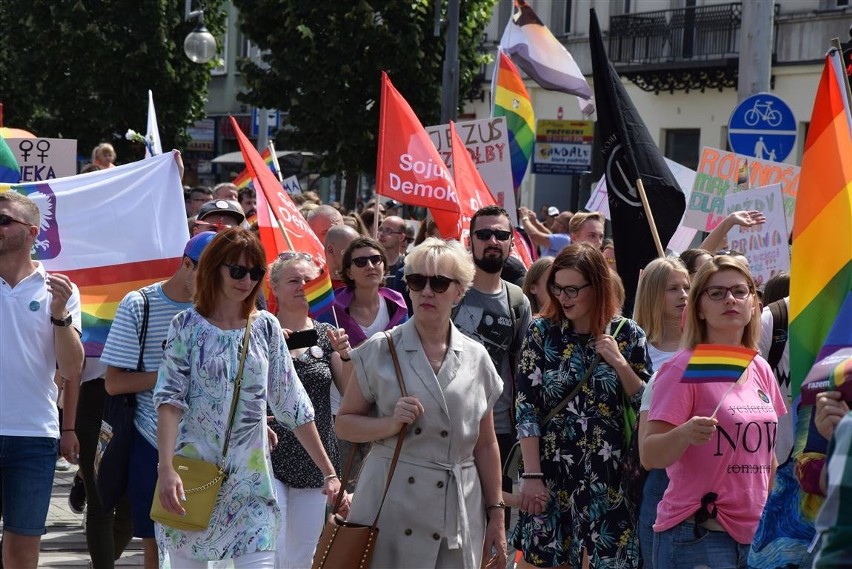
510	99
110	232
821	266
10	172
243	180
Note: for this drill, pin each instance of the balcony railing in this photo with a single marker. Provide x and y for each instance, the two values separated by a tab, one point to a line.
670	36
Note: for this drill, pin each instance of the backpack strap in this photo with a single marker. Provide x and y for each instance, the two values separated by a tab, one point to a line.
778	309
143	332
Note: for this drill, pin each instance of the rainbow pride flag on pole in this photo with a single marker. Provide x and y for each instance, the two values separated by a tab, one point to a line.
10	172
111	232
821	265
715	363
243	180
510	99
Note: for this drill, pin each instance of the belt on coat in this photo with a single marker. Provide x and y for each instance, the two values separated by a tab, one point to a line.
455	539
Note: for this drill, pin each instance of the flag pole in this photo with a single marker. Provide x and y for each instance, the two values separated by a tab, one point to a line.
835	43
272	153
376	219
650	215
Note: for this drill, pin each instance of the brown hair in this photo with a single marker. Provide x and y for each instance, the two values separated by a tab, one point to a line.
360	243
590	262
695	329
226	248
538	268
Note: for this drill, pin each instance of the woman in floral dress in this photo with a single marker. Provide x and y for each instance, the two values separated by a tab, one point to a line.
195	387
571	500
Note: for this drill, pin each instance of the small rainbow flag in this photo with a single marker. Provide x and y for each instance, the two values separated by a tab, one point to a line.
320	294
716	363
511	100
243	180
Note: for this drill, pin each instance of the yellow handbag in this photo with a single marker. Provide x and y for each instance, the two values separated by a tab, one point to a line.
201	480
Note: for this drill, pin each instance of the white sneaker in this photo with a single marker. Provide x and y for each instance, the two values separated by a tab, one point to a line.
62	465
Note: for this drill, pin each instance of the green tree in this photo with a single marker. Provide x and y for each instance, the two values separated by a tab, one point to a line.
82	69
323	60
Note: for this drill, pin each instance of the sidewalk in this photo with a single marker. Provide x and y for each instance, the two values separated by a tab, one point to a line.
64	545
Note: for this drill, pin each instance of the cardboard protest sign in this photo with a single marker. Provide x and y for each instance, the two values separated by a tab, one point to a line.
487	142
717	175
765	246
44	158
291	185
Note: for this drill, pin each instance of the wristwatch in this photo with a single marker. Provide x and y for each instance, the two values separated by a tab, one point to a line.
65	322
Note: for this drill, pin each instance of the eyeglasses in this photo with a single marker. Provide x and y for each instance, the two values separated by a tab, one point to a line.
718	293
361	262
8	220
438	284
237	272
485	234
289	255
389	231
570	291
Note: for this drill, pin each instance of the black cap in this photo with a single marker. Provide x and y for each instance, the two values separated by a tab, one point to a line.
223	207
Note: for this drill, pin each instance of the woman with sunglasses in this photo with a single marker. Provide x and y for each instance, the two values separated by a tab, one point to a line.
364	306
195	388
444	502
300	484
572	503
715	439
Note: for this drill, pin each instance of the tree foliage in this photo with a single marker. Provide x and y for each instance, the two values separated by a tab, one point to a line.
323	61
82	69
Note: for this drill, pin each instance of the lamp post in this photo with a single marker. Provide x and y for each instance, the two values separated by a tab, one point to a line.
199	45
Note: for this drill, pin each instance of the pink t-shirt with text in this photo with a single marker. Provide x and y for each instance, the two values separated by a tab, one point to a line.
736	463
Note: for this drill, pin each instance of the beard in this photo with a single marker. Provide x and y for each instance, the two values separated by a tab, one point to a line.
490	263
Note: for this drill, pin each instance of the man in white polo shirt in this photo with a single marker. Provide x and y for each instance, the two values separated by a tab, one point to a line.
40	327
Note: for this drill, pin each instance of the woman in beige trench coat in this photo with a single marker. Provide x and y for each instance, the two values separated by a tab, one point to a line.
444	506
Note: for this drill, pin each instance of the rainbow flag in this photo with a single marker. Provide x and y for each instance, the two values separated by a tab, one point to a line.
715	363
108	251
320	294
821	265
511	100
10	172
832	373
243	180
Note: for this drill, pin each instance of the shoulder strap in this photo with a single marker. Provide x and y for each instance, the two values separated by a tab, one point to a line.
237	383
143	332
778	310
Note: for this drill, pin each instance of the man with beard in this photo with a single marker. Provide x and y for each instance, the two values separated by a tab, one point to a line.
495	313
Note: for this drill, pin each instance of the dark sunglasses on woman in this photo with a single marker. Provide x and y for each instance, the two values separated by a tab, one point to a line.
361	262
237	272
438	284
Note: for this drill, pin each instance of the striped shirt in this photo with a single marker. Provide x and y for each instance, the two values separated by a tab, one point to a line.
122	346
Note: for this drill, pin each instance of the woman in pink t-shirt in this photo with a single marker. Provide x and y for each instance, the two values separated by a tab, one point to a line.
720	465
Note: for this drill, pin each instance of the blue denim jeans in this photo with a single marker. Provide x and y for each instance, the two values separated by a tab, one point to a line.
686	546
655	486
27	465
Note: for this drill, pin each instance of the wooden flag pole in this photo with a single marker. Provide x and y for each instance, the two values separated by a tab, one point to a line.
647	207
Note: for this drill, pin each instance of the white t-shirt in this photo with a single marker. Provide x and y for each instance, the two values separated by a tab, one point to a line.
28	391
381	322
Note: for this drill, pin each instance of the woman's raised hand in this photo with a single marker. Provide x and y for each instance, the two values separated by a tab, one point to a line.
830	409
407	409
699	430
339	341
607	347
534	496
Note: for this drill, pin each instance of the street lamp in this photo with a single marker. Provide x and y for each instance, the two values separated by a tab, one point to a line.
199	45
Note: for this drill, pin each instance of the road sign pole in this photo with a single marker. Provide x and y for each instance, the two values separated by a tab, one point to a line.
755	62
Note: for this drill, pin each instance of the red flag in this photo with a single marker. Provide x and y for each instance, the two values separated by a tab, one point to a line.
282	227
409	168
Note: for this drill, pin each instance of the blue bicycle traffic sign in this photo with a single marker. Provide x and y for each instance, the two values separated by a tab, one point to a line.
762	126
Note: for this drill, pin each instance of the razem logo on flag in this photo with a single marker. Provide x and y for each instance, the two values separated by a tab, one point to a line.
409	168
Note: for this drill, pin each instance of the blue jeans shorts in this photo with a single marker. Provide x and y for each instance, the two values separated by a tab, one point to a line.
27	465
141	484
686	546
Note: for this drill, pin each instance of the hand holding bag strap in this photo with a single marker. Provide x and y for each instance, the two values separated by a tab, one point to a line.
237	382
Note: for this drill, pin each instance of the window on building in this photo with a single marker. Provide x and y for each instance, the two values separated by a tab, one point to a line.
561	17
683	145
842	3
222	55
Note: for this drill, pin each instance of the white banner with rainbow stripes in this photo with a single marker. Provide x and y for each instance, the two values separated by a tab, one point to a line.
110	231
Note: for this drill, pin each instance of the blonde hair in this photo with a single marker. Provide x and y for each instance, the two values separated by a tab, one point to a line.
695	329
650	295
427	256
578	219
279	264
534	273
27	206
98	150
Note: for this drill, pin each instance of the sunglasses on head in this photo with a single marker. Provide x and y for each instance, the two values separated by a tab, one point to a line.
288	255
9	220
485	234
237	272
438	284
362	261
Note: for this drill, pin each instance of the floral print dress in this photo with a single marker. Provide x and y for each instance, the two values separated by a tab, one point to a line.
197	375
581	447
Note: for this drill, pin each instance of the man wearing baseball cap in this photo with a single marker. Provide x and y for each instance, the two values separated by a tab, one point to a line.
125	374
217	215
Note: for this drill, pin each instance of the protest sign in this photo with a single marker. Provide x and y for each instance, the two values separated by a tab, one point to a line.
44	158
291	185
765	246
487	142
717	175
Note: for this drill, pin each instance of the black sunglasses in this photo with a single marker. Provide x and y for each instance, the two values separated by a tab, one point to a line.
438	284
8	220
485	234
362	261
237	272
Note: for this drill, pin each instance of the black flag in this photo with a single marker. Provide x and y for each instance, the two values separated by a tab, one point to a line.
628	153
